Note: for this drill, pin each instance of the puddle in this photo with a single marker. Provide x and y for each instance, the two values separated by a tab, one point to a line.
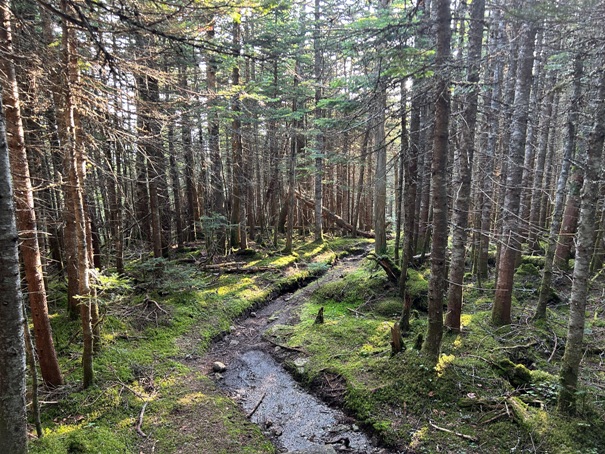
293	417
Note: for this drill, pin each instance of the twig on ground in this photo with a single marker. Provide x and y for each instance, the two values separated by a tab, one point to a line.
458	434
554	348
294	349
140	421
257	405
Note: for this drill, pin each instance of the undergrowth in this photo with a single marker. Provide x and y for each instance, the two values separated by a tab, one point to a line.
143	362
494	389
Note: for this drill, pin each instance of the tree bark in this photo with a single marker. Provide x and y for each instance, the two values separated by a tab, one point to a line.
26	215
432	342
13	416
501	310
462	187
570	366
570	145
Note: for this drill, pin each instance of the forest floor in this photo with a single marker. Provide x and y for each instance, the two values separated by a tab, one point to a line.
166	325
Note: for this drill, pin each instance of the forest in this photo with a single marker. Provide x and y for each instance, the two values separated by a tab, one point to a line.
400	202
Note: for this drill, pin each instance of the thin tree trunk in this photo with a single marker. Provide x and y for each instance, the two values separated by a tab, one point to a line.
432	343
13	416
319	162
75	169
462	187
26	215
570	366
570	145
501	310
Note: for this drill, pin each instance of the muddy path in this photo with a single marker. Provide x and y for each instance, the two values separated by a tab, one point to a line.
292	417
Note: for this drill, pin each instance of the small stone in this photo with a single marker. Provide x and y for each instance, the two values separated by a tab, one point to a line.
253	314
355	428
233	343
218	376
300	362
232	328
219	367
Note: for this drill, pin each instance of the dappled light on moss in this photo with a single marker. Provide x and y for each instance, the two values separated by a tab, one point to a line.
442	363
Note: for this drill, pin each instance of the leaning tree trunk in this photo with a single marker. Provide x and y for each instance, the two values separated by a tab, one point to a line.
434	332
570	366
501	310
462	187
570	145
13	415
26	215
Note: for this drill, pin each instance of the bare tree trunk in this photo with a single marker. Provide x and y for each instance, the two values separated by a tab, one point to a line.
238	218
176	189
380	176
570	145
501	310
462	187
75	168
192	210
217	187
319	162
432	343
570	366
13	416
26	215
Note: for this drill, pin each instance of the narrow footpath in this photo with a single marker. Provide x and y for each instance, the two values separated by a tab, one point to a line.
246	364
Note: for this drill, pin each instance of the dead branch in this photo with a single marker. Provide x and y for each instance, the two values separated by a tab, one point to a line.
257	405
340	222
285	347
458	434
140	421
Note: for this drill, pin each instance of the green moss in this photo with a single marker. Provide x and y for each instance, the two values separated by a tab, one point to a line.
142	347
527	269
535	260
417	288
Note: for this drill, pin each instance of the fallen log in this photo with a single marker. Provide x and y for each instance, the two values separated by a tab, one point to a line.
340	222
392	270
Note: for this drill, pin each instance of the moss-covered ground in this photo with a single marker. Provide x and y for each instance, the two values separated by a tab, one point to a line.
493	390
155	321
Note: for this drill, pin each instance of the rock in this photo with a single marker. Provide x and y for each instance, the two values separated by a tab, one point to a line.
315	450
300	362
217	366
233	343
253	314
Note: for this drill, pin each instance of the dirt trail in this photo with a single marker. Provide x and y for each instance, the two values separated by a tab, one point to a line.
293	418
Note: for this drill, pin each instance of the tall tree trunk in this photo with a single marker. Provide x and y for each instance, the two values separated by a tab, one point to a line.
380	176
75	168
570	366
217	189
238	207
176	188
13	416
487	159
570	145
193	210
462	187
432	343
319	161
26	215
501	310
409	194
